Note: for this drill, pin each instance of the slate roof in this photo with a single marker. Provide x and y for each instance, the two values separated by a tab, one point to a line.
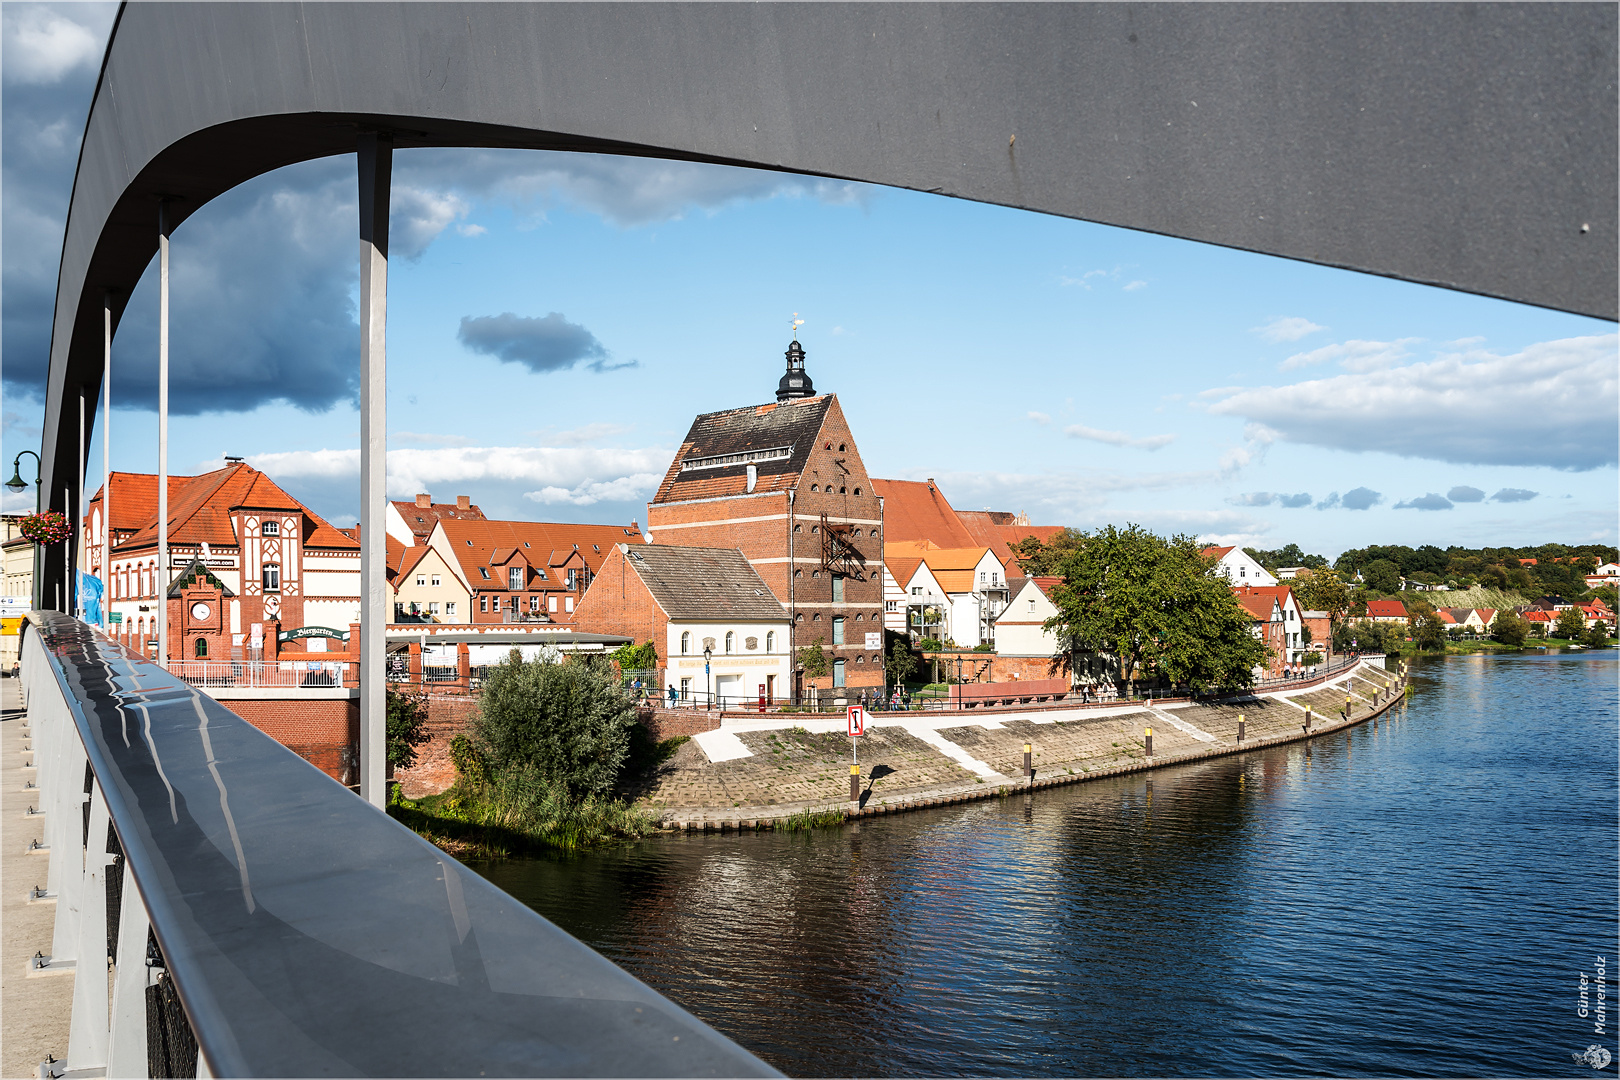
703	583
201	575
791	424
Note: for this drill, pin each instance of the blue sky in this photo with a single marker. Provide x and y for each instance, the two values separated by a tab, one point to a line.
556	320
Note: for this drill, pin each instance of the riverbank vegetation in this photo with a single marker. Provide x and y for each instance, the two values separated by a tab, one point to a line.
540	770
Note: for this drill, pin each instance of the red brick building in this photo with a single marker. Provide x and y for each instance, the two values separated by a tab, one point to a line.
281	566
411	523
784	483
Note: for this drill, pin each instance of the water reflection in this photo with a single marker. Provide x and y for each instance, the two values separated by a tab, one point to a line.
1401	900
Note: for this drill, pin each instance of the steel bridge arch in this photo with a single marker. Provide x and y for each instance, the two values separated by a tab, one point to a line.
1466	146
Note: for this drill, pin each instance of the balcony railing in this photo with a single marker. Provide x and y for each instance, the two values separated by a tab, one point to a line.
258	912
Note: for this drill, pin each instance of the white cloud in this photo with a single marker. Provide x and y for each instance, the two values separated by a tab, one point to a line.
418	438
1353	355
43	43
1133	286
1556	403
1117	438
1040	418
495	476
471	230
1286	328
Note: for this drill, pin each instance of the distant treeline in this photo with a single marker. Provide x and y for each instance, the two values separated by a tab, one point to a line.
1557	568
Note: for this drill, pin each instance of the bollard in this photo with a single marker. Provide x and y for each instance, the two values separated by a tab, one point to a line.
1347	706
1307	718
854	783
1240	726
1149	742
1029	761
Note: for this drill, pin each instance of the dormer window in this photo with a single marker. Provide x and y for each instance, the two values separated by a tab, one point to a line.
485	571
514	578
271	528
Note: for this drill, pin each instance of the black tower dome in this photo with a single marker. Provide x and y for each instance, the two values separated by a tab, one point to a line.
796	383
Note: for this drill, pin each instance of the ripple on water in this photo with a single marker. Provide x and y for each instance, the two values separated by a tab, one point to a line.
1411	899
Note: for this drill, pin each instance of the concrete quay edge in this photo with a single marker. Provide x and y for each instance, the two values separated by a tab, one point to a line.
754	818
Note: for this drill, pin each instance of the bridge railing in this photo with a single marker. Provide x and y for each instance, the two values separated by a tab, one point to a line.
263	921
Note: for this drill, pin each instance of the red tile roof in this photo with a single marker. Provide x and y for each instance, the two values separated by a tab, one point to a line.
421	519
915	510
478	543
134	498
1386	609
1262	608
1215	552
200	510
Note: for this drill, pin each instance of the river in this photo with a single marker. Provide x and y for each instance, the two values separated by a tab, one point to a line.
1417	897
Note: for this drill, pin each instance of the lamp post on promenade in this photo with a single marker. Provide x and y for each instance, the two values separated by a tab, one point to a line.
17	484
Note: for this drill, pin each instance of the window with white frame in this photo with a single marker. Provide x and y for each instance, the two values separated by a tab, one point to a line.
421	579
433	607
435	581
731	640
770	641
271	528
449	609
568	603
514	578
686	642
272	577
534	602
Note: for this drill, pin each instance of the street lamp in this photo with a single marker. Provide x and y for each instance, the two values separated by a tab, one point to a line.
707	696
17	484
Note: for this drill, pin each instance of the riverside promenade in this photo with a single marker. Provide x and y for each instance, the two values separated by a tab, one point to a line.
36	1005
751	775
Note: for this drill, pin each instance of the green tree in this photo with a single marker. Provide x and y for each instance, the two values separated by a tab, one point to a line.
1153	607
1597	635
636	657
568	722
1325	591
1510	628
1429	632
900	663
406	726
814	660
1571	624
1038	559
1382	575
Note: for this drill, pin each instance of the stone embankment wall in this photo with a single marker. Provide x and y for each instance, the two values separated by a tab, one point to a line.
448	716
940	759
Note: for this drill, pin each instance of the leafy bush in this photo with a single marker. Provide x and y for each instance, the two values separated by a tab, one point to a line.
1510	628
929	644
641	657
1311	658
568	724
406	726
1597	636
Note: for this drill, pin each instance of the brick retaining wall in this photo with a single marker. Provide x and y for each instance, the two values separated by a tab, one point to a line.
324	732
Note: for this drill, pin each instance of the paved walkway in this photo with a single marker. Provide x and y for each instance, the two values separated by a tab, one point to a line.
36	1010
769	769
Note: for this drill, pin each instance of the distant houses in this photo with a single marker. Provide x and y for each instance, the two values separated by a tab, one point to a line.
1239	567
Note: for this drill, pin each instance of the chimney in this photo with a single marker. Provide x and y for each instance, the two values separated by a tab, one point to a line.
635	526
424	501
463	502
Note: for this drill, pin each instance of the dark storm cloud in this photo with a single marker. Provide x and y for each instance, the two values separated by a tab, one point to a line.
544	344
1431	501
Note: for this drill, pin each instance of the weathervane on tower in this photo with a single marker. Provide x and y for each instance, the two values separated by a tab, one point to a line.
795	324
796	382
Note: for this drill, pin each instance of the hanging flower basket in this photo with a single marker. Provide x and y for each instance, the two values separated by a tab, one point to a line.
50	527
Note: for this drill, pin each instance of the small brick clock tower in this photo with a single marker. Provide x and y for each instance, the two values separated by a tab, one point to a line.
197	629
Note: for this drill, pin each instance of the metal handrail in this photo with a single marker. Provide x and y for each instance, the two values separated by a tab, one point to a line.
306	933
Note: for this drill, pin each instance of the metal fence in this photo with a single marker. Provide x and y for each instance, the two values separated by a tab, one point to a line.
266	922
248	674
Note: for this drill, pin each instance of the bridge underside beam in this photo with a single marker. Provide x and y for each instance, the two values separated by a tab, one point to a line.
1471	147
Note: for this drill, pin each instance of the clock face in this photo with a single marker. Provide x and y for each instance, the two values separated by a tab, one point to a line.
199	611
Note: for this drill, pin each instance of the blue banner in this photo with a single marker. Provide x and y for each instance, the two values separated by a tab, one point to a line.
90	598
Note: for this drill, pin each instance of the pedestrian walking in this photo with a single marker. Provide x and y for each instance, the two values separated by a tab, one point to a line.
672	695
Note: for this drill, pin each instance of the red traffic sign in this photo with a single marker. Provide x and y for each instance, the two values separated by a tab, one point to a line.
857	721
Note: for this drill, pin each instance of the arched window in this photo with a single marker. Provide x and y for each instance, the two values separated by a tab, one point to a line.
770	641
731	640
202	648
686	642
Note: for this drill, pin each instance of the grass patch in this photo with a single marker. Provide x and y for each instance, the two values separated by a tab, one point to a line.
517	814
827	817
